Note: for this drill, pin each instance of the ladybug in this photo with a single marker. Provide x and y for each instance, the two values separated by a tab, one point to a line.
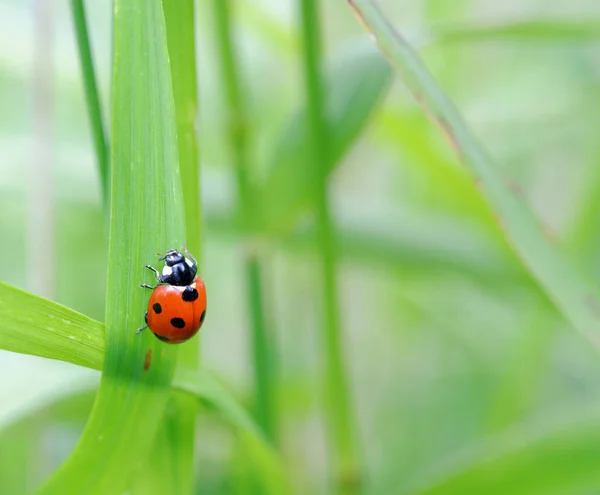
177	305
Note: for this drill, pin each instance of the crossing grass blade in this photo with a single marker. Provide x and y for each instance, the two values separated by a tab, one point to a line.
52	331
354	87
33	325
569	289
147	217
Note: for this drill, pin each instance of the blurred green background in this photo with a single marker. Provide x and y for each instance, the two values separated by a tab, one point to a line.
450	346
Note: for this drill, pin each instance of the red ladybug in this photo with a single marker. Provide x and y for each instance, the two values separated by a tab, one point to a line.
177	306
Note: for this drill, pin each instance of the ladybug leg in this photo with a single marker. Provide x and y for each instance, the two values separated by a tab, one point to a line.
144	327
156	273
146	286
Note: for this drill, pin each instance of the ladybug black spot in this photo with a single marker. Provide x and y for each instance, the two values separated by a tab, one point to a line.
157	308
178	322
189	294
160	337
202	316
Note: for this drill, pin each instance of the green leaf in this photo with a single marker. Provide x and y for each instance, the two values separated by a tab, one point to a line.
568	288
39	327
354	87
565	451
146	217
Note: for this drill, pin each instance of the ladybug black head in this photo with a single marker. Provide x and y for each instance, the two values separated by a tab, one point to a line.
178	269
172	257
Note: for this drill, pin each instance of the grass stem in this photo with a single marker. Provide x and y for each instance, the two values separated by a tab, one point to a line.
237	131
92	97
340	422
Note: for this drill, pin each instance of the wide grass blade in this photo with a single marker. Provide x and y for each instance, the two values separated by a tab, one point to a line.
146	217
354	86
33	325
572	293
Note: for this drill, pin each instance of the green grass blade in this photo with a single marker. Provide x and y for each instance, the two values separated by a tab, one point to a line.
207	389
565	450
555	31
36	326
238	136
355	85
67	335
179	18
339	420
572	293
92	97
176	438
146	217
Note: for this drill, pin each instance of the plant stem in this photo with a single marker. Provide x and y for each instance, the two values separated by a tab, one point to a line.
41	220
340	423
237	131
92	97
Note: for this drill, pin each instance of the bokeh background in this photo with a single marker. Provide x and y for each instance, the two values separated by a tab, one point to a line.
448	343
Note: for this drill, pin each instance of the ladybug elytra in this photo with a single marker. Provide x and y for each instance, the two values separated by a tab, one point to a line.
177	305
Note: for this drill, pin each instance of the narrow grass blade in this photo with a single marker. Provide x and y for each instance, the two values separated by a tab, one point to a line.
553	31
339	416
175	441
238	127
179	18
146	217
354	87
208	390
92	98
572	293
33	325
551	457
